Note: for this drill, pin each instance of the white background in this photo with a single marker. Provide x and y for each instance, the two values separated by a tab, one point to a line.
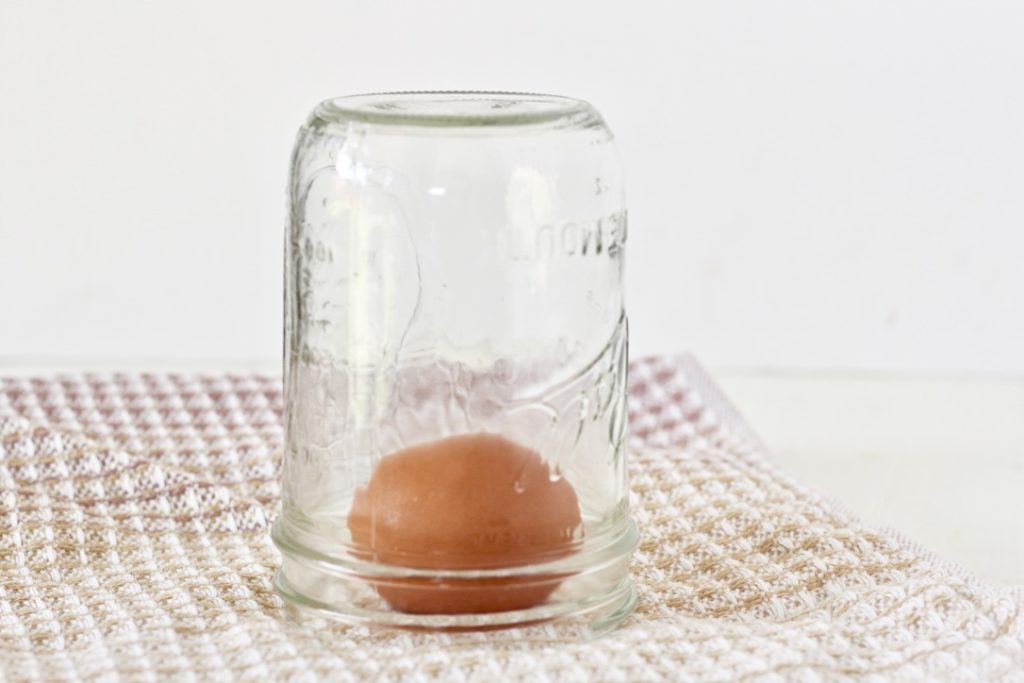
813	184
832	186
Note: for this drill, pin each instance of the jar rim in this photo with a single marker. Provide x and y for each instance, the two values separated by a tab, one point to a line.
457	108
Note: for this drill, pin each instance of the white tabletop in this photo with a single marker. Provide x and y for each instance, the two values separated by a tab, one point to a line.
940	459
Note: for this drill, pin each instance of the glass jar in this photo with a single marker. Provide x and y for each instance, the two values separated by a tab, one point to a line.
455	364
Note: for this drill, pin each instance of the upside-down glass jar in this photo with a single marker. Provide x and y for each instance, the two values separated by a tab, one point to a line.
455	365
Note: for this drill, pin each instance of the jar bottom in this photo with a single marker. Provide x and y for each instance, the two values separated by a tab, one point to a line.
595	592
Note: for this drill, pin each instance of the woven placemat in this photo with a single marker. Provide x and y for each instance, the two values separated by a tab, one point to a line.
134	545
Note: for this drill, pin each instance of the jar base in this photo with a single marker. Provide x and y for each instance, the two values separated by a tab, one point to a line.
586	619
591	600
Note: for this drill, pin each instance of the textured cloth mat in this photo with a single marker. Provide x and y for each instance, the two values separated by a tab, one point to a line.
135	515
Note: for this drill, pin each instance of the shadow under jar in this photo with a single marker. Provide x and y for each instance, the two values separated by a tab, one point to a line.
455	365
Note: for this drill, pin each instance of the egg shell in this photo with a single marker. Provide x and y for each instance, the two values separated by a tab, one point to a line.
473	501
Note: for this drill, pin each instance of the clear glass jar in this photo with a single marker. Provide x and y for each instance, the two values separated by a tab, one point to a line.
455	364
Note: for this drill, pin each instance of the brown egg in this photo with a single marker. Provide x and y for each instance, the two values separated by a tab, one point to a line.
475	501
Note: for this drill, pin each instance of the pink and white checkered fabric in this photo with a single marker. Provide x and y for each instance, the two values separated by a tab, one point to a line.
134	545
